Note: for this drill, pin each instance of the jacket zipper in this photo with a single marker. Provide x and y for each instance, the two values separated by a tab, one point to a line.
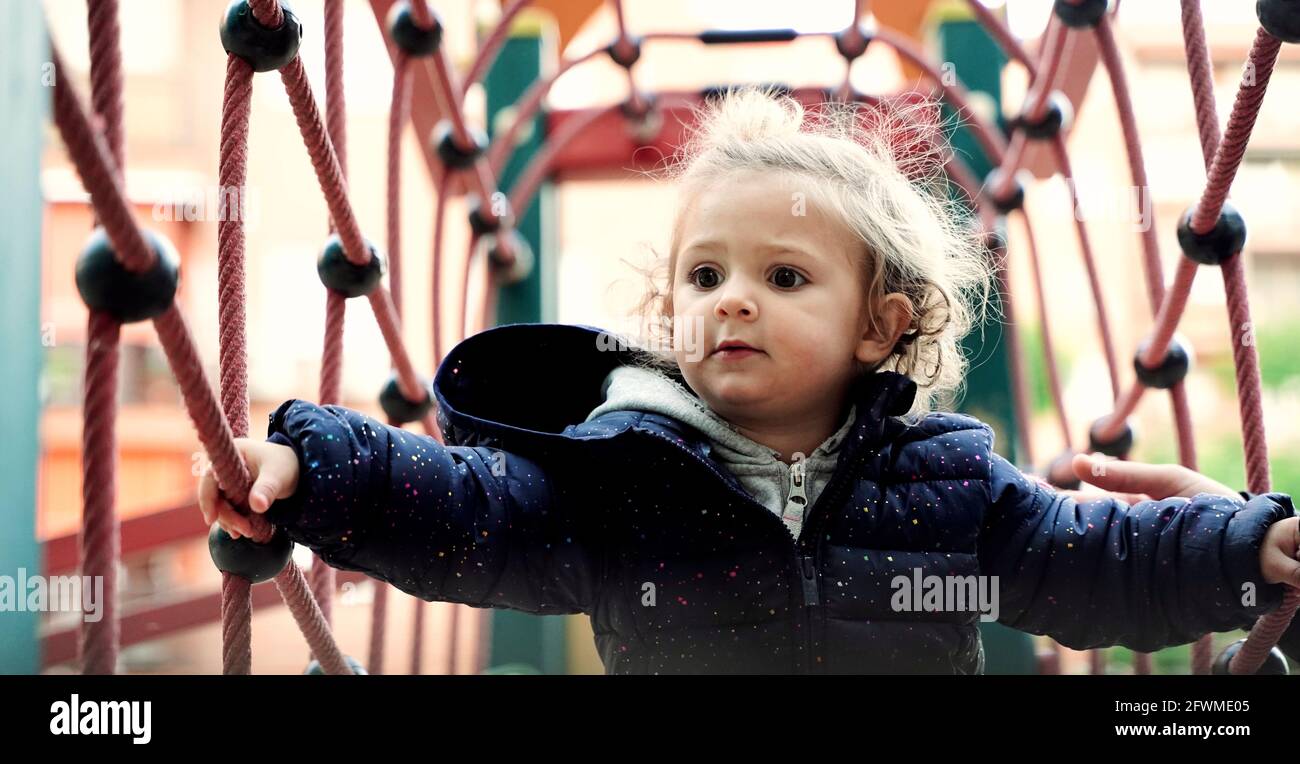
806	563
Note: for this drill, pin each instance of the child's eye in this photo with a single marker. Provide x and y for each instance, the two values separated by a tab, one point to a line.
784	274
702	281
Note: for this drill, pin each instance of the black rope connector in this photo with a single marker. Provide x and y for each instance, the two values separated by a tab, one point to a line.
248	559
852	46
453	155
1005	204
107	285
1280	18
1274	665
1056	118
411	38
315	669
1172	369
1118	447
512	259
626	58
500	207
340	274
1080	15
398	408
265	49
1216	245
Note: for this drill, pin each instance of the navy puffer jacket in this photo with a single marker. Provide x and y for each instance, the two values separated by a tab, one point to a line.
626	518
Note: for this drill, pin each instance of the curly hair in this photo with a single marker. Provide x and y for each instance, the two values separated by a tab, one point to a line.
880	171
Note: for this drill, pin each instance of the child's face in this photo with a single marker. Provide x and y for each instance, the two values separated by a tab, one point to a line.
760	263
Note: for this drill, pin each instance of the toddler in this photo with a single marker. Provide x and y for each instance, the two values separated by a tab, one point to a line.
779	492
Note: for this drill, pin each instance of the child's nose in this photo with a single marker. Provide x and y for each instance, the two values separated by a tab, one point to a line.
736	302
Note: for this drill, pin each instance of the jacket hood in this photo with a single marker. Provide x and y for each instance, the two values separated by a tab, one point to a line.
538	384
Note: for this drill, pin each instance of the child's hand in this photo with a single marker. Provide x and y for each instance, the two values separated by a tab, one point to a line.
1156	481
1277	553
275	476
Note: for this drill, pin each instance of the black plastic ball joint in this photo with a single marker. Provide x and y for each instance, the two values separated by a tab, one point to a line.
248	559
1280	18
512	263
1172	369
1060	472
398	408
1056	118
1274	665
409	37
453	155
1216	245
478	222
340	274
265	49
995	237
625	58
107	285
315	669
851	49
1118	447
1084	15
1013	201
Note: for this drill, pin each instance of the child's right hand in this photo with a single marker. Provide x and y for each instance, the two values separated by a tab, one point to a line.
274	469
1156	481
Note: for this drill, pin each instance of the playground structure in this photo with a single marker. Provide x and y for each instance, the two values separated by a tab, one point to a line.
127	274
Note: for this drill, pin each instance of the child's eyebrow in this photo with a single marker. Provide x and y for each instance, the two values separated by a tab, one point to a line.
779	248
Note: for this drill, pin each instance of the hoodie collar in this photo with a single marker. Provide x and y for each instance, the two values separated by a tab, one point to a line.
643	389
520	384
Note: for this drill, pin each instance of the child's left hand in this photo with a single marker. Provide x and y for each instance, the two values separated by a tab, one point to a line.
1277	553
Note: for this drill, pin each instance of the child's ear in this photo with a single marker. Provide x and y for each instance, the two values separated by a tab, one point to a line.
879	337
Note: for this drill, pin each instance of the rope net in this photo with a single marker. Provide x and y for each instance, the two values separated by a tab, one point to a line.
95	141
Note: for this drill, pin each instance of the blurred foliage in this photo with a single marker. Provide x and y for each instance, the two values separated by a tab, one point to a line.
1279	363
1040	388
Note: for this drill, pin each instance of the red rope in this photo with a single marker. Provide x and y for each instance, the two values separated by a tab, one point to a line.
1049	353
94	164
1150	246
236	622
100	537
321	576
106	74
293	588
267	12
492	45
398	114
1228	154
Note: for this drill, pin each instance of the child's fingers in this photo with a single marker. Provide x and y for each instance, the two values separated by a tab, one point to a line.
207	495
1286	569
1120	476
276	478
232	521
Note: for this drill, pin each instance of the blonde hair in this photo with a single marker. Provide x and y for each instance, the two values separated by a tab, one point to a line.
880	171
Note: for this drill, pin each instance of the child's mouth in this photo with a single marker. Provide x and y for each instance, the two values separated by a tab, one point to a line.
736	353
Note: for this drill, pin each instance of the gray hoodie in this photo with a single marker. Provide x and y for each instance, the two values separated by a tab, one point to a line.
786	490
